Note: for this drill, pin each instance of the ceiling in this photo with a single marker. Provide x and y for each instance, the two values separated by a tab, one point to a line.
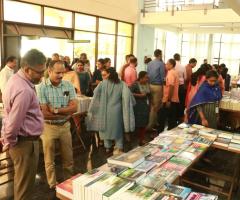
224	19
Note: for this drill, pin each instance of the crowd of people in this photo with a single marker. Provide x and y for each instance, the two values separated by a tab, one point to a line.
164	95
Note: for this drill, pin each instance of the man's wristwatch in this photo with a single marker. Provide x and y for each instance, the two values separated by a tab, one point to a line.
55	111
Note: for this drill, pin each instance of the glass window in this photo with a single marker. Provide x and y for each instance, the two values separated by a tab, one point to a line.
106	46
22	12
107	26
124	45
61	46
88	48
55	17
85	22
124	29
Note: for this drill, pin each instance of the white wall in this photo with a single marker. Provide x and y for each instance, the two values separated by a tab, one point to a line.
144	44
125	10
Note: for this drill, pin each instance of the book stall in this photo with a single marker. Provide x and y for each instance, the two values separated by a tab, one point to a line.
157	170
230	109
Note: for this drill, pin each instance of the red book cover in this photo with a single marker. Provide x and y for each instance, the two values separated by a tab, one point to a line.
65	188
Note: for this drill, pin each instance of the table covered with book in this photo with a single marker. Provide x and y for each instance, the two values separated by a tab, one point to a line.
153	168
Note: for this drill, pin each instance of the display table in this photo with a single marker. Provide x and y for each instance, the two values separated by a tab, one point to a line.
232	179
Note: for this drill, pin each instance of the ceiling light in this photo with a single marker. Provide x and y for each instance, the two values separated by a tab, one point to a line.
211	26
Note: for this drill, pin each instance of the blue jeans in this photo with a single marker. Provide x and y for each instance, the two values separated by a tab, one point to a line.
119	143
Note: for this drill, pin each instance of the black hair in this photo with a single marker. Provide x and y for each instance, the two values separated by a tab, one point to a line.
147	60
11	59
222	65
158	53
133	60
200	72
177	56
53	62
192	60
212	73
75	60
80	61
113	75
67	66
101	60
172	62
141	74
106	60
33	58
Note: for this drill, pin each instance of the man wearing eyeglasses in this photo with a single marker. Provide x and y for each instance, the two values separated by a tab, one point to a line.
58	102
23	122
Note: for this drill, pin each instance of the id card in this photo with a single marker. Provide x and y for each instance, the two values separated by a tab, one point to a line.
217	110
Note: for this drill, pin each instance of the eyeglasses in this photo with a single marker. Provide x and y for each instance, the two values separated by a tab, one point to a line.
36	71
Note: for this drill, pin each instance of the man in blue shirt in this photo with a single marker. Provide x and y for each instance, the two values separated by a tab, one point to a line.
156	73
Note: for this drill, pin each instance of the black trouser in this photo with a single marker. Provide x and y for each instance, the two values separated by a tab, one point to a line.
169	115
181	106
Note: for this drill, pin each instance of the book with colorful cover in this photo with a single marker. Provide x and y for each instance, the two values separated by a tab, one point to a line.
159	160
236	136
164	153
207	134
139	192
180	161
236	141
180	169
132	175
130	159
196	148
187	155
175	190
233	146
203	140
66	188
224	142
225	135
146	166
152	182
167	197
163	141
146	150
115	187
110	168
201	196
168	175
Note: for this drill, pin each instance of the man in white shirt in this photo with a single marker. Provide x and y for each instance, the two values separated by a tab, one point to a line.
180	69
7	71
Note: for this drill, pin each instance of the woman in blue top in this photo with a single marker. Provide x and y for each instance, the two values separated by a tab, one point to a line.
204	107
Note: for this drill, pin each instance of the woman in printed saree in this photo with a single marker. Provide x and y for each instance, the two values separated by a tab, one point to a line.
204	107
111	111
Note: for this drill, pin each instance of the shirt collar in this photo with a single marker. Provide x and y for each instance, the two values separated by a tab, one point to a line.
10	69
23	76
49	83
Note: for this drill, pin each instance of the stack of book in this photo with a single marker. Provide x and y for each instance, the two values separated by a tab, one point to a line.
66	188
108	187
203	140
81	184
224	139
130	159
235	143
196	149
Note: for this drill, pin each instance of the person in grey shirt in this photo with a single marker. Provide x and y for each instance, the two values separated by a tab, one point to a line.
156	72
